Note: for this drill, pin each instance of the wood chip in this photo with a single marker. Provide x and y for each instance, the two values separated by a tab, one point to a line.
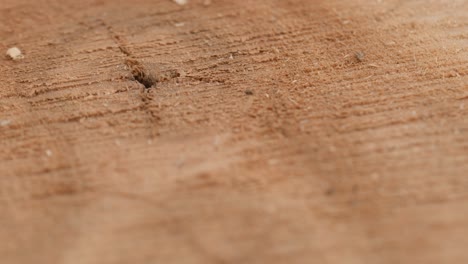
181	2
14	53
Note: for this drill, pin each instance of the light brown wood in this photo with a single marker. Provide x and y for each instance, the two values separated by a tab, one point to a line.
295	131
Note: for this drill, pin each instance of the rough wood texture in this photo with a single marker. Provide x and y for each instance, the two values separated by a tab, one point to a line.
294	131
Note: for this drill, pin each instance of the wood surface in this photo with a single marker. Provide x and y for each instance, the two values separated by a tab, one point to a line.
271	131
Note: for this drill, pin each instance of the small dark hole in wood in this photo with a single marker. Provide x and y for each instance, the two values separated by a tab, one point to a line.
140	74
144	79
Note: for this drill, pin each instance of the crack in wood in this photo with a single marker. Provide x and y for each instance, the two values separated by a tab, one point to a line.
140	74
138	71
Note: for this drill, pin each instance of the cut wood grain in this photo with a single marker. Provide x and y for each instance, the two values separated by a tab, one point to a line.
295	131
